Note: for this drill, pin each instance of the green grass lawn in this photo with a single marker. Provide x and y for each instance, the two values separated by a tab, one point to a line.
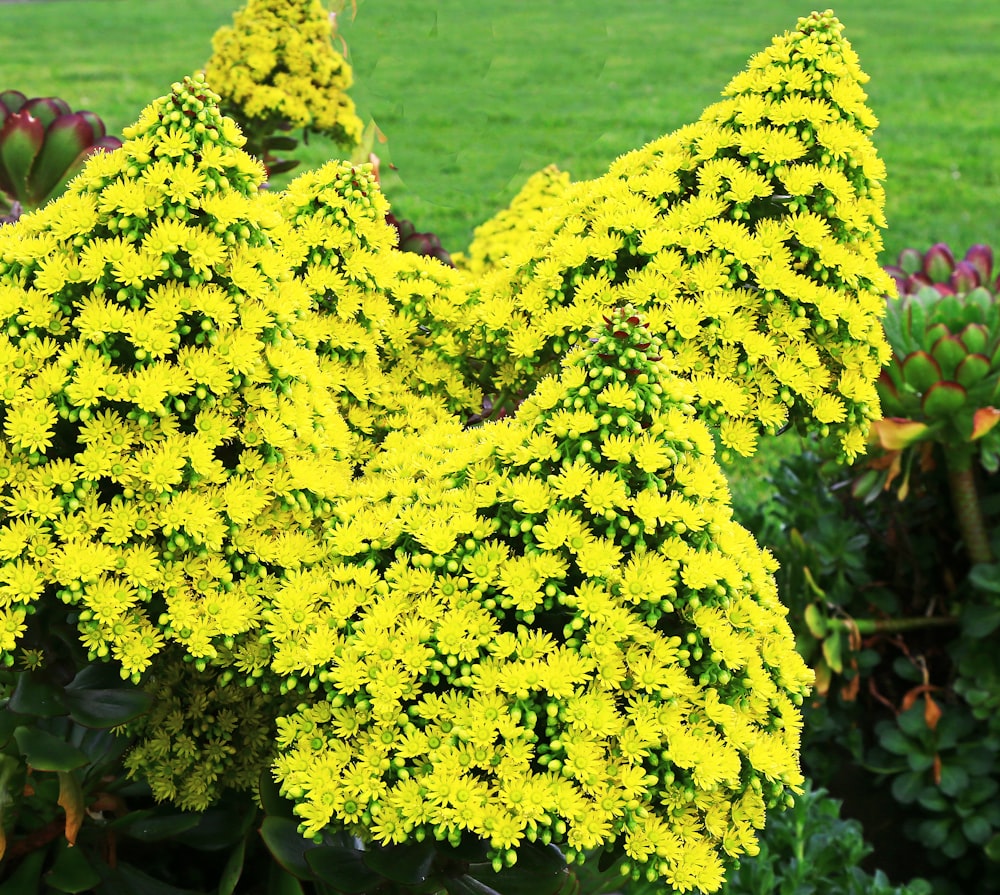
475	96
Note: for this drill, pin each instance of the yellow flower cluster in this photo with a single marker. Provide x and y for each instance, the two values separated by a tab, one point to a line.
278	67
370	304
232	451
170	446
203	735
549	629
749	239
496	239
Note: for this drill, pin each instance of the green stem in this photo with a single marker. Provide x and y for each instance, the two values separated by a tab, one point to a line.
965	499
867	626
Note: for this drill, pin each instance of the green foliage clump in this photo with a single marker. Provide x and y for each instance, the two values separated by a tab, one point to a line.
550	628
810	849
276	68
169	446
496	239
748	238
202	735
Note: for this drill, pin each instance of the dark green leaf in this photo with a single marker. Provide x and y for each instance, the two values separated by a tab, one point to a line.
407	864
72	872
281	882
124	879
273	802
26	879
953	779
103	707
283	839
912	722
986	576
220	827
992	848
540	870
979	620
152	826
895	741
977	830
34	695
933	832
907	786
233	870
46	752
343	867
467	885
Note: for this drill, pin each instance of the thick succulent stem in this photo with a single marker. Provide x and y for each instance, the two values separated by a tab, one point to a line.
866	626
965	499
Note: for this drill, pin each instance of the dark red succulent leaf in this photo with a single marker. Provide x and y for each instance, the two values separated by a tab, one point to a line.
965	277
66	145
12	101
95	122
21	138
944	288
915	282
980	256
46	108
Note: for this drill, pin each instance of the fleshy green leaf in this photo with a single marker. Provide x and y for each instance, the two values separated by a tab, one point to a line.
971	369
949	352
282	837
342	866
921	371
943	398
540	870
975	338
407	864
72	872
103	709
152	825
45	752
233	870
34	695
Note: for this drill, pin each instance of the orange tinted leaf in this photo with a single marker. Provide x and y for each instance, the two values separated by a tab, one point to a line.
71	801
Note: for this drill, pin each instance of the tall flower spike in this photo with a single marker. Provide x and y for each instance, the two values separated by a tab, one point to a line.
494	240
749	238
383	318
277	65
168	447
550	628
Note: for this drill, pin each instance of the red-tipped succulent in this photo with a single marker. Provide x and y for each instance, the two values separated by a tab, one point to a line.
43	144
938	269
942	384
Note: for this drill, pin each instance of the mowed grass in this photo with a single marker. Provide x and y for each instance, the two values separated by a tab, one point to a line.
474	96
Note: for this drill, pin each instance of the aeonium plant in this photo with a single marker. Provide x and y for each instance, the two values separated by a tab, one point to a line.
942	385
43	144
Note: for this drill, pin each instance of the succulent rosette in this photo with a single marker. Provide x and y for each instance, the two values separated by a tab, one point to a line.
43	144
938	268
